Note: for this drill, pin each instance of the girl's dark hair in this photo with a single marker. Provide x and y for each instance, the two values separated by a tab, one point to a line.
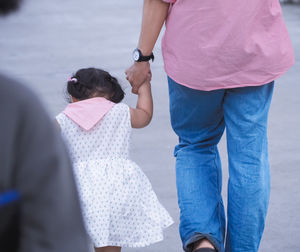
92	82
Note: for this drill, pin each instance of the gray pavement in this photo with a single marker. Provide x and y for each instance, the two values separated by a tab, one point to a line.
48	40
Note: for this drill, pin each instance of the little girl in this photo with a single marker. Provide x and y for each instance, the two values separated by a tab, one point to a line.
118	203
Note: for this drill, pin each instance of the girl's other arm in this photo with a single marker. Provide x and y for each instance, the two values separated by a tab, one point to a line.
142	114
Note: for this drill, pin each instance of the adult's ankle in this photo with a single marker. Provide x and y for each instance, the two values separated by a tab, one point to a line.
204	243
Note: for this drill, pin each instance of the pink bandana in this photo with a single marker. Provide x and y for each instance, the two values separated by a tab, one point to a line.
87	113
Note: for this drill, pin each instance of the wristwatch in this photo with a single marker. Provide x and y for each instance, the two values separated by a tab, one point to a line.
138	56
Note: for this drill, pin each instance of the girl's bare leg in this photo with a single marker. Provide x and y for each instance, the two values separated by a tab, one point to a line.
108	249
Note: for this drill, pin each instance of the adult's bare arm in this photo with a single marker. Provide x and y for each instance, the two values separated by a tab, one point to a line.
154	15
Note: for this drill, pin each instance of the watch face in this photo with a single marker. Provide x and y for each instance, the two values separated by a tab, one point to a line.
136	55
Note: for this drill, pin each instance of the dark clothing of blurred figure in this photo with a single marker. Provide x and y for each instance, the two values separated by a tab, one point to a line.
34	163
8	6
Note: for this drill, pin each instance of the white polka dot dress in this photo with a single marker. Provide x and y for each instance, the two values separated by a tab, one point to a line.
118	203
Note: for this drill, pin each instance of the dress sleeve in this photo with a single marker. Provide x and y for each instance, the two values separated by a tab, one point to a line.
127	116
123	114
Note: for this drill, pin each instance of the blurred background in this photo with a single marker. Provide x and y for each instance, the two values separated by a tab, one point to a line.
46	41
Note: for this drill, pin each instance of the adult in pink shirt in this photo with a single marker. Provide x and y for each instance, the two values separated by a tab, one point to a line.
222	58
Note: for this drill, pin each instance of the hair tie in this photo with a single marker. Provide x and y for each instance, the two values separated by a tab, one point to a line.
73	79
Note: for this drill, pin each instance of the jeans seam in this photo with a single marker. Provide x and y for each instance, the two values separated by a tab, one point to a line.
218	185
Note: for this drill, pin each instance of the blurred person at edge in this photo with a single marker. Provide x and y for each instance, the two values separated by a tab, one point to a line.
35	172
221	58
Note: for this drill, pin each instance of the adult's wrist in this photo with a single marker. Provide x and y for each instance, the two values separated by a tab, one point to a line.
144	50
143	66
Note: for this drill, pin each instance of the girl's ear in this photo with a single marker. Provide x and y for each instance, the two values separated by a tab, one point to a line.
73	99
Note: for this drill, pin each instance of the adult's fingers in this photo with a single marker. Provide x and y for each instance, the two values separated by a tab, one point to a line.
134	90
131	80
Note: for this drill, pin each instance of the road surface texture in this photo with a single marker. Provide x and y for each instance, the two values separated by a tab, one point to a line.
46	41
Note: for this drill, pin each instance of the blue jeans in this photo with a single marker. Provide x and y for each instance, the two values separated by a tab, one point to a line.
199	119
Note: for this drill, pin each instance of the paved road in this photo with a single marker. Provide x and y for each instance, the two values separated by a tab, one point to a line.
48	40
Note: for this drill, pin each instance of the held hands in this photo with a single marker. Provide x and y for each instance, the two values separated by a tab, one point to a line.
138	74
141	115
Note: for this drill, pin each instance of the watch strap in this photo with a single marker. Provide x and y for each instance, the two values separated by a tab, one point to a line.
146	58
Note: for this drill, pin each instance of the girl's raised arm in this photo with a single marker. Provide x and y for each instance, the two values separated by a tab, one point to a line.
142	114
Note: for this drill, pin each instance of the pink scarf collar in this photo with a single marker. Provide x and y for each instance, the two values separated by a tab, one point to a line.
87	113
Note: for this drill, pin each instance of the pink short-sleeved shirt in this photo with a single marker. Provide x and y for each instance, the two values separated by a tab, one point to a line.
216	44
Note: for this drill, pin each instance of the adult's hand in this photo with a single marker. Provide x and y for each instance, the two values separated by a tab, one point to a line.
137	74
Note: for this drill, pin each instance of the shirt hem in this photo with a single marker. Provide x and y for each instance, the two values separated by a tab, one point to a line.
230	86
